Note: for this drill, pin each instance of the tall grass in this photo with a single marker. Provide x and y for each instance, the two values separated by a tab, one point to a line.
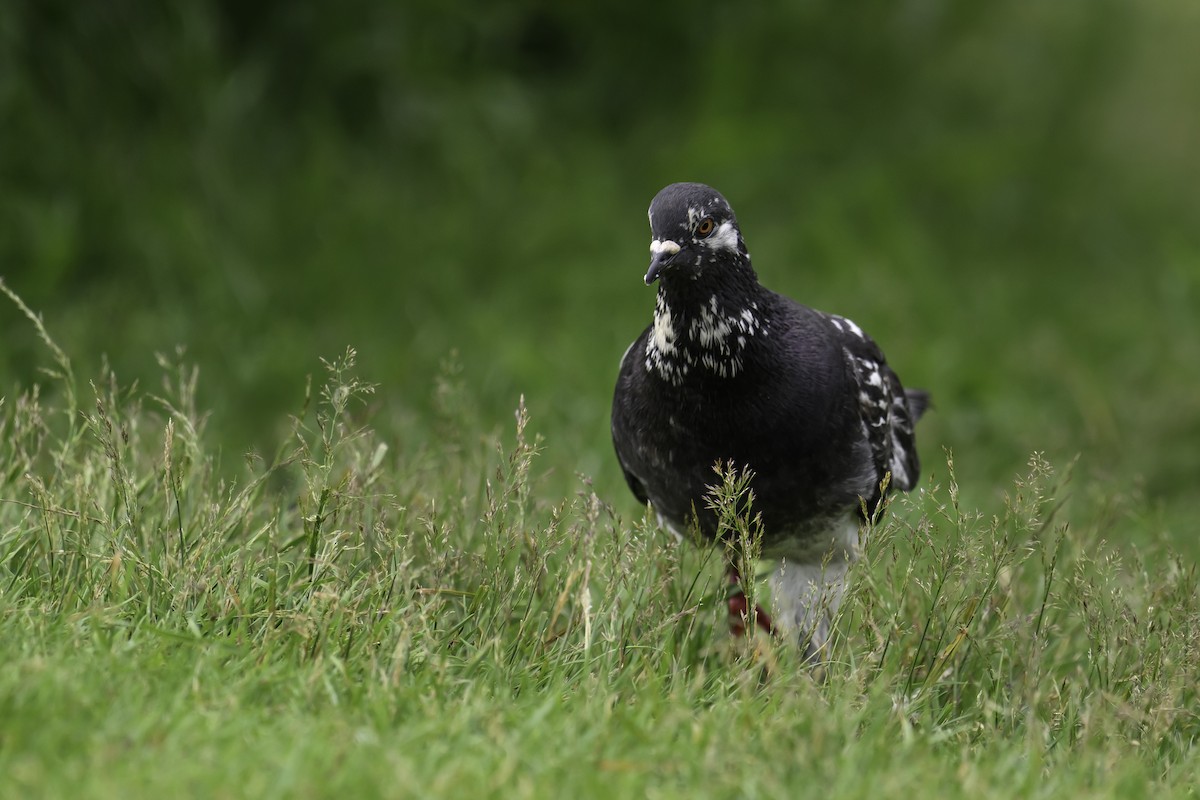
370	615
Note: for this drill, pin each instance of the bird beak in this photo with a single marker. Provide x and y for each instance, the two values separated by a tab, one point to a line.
662	253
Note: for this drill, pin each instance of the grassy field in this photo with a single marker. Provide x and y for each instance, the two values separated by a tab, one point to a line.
309	332
348	617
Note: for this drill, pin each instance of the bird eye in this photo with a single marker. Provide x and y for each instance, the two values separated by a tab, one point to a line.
706	226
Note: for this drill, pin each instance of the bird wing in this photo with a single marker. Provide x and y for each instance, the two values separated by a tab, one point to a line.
888	411
622	417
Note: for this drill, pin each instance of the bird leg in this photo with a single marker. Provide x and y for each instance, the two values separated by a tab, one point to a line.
739	608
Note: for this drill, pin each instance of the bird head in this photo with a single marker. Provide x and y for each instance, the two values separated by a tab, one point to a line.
692	229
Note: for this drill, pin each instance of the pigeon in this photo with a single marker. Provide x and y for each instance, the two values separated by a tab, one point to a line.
730	373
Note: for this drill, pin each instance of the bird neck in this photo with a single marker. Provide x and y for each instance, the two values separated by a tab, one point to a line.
706	329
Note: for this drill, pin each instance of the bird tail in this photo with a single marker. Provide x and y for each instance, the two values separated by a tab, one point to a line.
918	402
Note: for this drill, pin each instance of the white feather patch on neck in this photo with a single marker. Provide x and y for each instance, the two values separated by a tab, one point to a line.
710	337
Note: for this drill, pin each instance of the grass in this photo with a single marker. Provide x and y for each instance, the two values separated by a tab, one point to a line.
352	617
220	578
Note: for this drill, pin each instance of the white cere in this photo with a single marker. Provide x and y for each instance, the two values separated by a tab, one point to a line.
665	246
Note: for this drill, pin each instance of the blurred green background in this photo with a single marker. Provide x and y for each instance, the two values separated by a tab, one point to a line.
1003	194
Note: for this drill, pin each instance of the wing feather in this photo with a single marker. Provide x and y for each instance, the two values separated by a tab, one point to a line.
888	411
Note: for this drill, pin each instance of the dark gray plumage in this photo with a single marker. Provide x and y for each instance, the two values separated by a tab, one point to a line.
731	371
